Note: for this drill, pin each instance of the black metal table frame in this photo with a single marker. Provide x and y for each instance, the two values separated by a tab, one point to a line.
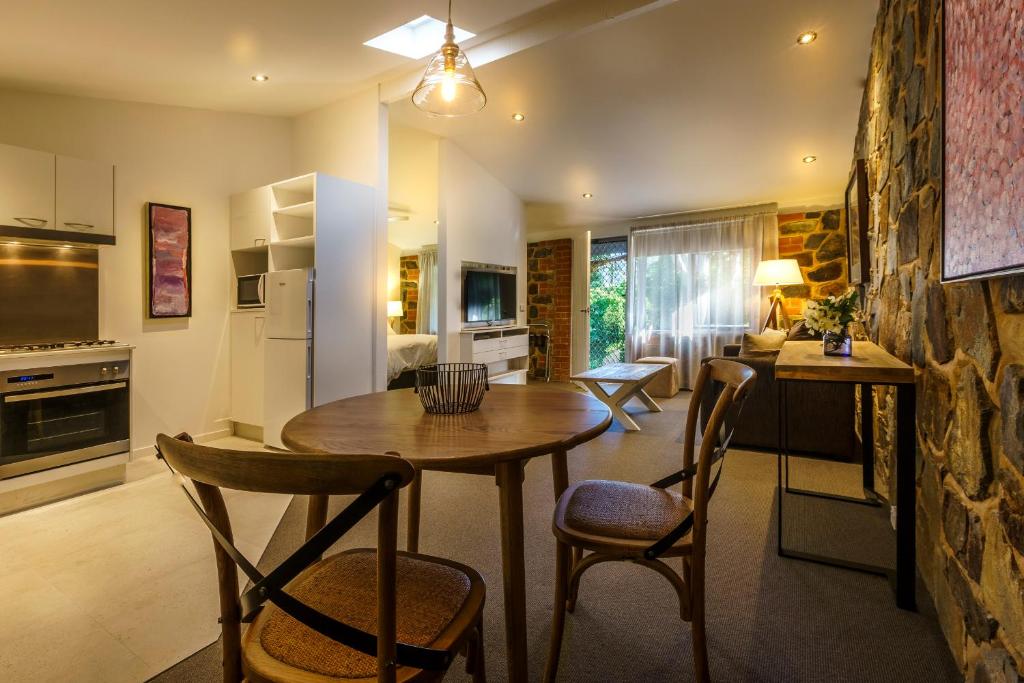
904	578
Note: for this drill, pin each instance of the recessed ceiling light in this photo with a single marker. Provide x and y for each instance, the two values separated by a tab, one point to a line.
809	159
416	39
587	195
518	117
806	38
260	78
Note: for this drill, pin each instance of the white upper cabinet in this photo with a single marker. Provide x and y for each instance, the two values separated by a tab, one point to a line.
85	196
26	188
251	219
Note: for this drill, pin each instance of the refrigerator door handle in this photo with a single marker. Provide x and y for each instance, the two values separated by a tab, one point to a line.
309	375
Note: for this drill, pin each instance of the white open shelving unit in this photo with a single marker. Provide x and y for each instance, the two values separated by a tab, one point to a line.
319	222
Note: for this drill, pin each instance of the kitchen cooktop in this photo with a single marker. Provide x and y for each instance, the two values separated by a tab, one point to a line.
56	346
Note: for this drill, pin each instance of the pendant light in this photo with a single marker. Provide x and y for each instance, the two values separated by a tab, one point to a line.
449	87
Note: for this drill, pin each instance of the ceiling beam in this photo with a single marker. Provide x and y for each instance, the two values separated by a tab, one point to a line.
559	19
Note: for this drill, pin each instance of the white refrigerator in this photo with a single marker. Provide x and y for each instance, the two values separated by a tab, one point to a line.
288	360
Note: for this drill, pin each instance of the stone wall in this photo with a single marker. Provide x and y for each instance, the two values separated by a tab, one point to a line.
549	297
409	283
966	342
817	240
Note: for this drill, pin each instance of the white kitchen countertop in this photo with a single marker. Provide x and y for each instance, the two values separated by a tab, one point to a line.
55	357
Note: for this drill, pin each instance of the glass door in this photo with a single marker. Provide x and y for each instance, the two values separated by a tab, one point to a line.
608	291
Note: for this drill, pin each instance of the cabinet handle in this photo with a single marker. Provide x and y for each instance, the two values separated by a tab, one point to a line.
68	224
32	222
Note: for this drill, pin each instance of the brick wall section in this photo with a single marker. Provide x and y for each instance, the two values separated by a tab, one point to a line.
409	282
966	342
817	240
549	297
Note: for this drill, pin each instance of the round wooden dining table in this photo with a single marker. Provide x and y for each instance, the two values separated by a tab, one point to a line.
514	424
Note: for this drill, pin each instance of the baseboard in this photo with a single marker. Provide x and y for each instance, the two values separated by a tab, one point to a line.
150	451
247	431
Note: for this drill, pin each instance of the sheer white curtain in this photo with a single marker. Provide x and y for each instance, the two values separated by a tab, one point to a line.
691	286
426	300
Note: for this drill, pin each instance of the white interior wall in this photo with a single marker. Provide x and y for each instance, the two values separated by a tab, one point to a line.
394	272
412	186
173	155
480	220
349	139
198	158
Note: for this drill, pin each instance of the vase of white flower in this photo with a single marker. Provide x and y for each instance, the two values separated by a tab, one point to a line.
832	317
837	343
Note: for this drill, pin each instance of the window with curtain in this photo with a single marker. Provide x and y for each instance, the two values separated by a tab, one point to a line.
426	315
691	286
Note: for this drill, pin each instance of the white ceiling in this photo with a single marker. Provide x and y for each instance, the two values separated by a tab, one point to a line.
202	53
692	105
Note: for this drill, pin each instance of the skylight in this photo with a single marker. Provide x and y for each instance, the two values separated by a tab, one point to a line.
416	39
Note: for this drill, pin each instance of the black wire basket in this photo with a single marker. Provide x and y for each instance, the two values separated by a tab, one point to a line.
451	388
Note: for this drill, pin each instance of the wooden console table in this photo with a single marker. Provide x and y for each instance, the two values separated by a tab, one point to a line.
803	361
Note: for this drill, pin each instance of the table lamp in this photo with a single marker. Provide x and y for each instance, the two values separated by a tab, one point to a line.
394	310
776	273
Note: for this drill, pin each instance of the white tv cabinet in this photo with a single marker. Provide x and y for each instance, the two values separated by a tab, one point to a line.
504	350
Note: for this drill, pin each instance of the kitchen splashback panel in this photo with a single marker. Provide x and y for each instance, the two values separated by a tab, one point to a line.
48	294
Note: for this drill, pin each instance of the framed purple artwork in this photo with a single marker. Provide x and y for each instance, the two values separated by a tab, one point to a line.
983	124
170	261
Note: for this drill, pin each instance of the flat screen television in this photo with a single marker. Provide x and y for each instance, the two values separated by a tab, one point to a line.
488	296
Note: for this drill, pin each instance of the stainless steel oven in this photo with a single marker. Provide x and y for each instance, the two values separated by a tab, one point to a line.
53	416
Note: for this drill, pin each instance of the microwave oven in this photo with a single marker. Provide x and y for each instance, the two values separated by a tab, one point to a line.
252	291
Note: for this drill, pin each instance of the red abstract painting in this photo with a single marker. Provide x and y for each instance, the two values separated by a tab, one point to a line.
983	230
170	258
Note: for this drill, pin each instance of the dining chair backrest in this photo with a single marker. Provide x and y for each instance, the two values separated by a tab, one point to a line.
281	471
737	379
211	469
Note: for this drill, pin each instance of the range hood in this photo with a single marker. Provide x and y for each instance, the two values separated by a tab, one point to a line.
51	237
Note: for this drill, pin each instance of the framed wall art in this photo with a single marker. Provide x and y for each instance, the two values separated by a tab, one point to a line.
857	225
170	260
983	146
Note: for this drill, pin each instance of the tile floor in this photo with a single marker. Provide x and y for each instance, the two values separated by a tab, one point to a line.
119	584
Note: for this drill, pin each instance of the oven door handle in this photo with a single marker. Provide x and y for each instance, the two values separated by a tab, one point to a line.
57	393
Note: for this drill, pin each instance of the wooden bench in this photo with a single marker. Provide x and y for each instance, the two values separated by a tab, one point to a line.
631	379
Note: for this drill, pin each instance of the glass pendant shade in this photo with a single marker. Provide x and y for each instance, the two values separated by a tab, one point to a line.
449	86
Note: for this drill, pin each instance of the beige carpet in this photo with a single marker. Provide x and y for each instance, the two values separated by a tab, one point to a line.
770	619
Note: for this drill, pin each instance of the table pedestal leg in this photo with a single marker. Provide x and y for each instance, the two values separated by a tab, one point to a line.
559	473
412	535
560	479
316	515
509	477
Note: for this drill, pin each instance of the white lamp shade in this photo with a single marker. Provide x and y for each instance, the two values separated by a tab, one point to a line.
394	309
776	272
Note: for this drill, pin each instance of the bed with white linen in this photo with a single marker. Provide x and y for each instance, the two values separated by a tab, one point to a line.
406	352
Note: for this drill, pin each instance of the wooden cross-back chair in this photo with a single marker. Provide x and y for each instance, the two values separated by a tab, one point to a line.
350	616
621	521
